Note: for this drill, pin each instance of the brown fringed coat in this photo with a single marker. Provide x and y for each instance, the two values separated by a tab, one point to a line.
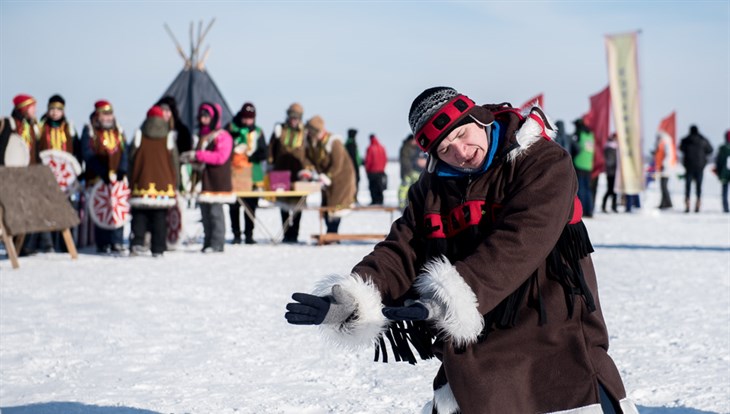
505	254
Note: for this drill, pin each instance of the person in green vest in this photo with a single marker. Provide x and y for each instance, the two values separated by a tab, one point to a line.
249	149
582	151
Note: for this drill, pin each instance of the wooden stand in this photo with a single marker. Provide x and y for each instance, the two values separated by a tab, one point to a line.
14	242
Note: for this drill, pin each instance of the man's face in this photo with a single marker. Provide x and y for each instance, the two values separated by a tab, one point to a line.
465	147
315	134
106	119
55	114
247	121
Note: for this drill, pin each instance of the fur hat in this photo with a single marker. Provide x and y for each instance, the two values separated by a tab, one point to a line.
316	123
437	111
23	101
295	110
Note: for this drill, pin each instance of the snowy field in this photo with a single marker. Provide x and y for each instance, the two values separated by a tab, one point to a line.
193	333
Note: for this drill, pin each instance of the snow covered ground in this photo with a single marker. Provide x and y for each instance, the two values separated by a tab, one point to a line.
193	333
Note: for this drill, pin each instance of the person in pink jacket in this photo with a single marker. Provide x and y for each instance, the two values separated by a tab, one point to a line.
213	154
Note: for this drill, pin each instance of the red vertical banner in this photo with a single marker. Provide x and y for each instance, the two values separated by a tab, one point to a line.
668	131
535	100
597	120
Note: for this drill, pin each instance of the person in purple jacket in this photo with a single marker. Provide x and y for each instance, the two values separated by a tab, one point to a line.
213	153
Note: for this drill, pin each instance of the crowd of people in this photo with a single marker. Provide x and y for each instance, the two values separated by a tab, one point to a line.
165	159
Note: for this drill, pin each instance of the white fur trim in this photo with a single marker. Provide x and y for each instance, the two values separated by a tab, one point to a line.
212	198
366	328
441	283
331	142
627	406
530	132
444	400
277	130
152	202
137	138
171	140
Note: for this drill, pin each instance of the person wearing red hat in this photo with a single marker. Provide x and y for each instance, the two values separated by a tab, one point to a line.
152	180
103	150
488	269
21	122
249	150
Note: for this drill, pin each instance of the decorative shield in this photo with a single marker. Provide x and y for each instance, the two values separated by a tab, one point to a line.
174	225
64	166
16	153
109	205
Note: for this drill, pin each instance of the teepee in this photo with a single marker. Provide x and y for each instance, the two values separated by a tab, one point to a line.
194	85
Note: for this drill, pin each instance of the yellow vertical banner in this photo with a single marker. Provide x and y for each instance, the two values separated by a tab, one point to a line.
623	76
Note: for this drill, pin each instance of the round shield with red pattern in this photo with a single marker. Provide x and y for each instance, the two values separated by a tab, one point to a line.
64	166
109	205
174	225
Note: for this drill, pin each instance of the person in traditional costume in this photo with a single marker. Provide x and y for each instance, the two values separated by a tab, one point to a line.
286	153
22	122
152	180
103	149
488	269
249	151
213	153
331	166
56	132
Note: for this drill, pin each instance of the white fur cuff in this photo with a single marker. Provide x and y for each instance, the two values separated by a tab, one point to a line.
441	283
367	325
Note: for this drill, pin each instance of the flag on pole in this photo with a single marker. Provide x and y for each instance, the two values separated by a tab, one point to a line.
668	132
597	120
623	74
535	100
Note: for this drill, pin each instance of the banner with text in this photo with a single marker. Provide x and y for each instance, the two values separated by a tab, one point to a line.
623	75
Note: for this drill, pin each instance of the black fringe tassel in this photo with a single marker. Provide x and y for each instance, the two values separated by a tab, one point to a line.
404	335
563	265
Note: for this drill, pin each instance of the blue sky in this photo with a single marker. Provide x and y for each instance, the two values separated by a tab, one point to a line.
360	64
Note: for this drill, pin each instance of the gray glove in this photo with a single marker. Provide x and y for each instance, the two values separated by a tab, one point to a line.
315	310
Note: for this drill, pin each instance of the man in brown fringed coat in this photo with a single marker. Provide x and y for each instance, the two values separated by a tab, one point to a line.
488	269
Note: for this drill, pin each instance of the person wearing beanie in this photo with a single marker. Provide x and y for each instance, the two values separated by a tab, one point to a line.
152	181
722	169
695	150
329	163
22	122
286	153
352	151
214	154
103	150
375	160
249	150
488	269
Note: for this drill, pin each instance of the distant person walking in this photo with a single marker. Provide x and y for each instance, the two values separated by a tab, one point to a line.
375	160
661	164
352	151
695	149
582	151
722	168
611	160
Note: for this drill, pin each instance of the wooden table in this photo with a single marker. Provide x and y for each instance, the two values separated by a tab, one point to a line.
300	198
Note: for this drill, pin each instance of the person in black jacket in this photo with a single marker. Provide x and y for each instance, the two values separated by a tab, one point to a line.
695	149
609	154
